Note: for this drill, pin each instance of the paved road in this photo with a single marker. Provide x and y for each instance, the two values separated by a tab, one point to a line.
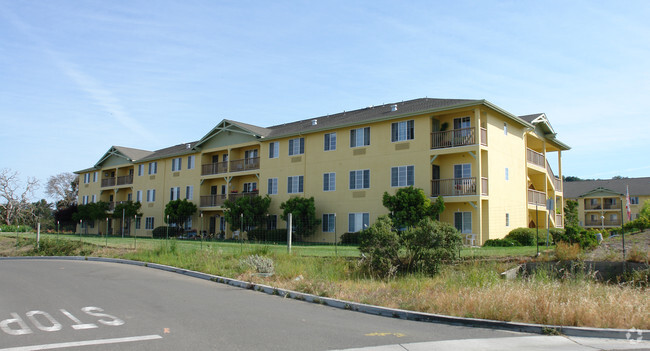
53	304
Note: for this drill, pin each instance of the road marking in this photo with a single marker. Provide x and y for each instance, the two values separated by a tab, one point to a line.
83	343
399	335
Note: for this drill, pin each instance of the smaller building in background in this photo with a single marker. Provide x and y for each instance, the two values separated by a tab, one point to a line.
601	203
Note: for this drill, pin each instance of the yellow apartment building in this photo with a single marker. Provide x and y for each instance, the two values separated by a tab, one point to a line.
601	203
490	166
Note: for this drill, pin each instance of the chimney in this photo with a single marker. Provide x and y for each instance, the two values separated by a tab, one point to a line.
314	122
393	108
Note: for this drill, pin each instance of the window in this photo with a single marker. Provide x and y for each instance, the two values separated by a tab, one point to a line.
330	142
463	170
84	200
151	195
462	123
250	154
296	146
189	192
505	128
94	199
190	162
360	179
329	181
175	193
140	169
358	221
86	178
138	196
329	222
137	222
634	200
148	223
129	197
188	223
95	177
402	176
507	219
250	187
463	222
401	131
507	176
360	137
295	184
613	217
274	149
272	222
153	167
176	164
272	186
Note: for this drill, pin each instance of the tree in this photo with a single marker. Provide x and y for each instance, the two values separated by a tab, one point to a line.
128	210
63	188
410	205
571	214
91	212
254	209
429	243
645	210
14	200
178	211
41	212
303	213
63	216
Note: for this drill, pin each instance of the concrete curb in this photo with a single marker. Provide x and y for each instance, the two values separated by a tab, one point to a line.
359	307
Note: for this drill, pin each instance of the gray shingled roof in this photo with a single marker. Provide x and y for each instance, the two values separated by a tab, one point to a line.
530	118
638	186
134	154
179	149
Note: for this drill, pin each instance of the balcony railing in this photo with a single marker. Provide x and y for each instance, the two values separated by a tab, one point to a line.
600	223
219	200
108	182
214	168
245	164
235	196
455	137
484	136
453	187
556	181
558	220
611	206
535	157
124	180
536	197
484	186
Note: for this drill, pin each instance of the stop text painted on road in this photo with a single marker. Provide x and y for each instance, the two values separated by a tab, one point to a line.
44	321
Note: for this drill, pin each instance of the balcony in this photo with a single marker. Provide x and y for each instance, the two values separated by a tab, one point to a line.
557	184
214	168
558	220
125	180
245	164
592	205
484	136
536	198
535	158
455	137
219	200
454	187
611	205
603	223
108	182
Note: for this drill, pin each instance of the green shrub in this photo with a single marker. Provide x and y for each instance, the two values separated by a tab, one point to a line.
524	236
501	243
163	231
379	246
268	235
638	224
577	235
428	244
350	238
53	247
15	228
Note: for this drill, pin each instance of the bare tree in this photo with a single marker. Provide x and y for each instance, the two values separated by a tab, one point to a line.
14	204
64	188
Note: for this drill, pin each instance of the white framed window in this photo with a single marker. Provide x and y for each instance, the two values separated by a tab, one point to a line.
634	200
189	192
358	221
140	169
153	167
463	222
507	175
274	149
176	164
296	146
507	219
401	131
188	223
84	200
330	142
329	222
402	176
95	177
360	137
462	123
148	223
175	193
138	221
250	187
329	181
138	196
272	188
250	154
505	128
295	184
613	217
94	198
86	178
191	162
129	197
151	195
272	222
463	170
360	179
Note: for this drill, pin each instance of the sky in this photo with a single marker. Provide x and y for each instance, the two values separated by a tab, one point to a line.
77	77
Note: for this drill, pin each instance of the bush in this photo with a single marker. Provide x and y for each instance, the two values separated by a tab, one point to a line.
379	246
52	247
524	236
565	251
577	235
428	244
162	232
268	235
350	238
501	243
14	228
638	224
260	264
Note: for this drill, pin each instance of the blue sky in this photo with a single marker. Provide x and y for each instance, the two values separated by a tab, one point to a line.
77	77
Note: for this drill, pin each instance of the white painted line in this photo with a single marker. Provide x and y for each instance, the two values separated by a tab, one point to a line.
83	343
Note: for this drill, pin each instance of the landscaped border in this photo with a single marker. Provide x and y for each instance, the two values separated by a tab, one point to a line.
360	307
